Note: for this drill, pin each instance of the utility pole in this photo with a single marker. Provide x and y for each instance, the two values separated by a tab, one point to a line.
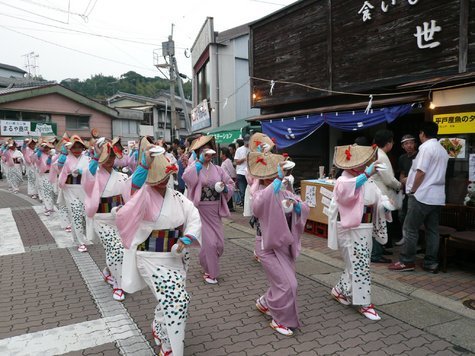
168	50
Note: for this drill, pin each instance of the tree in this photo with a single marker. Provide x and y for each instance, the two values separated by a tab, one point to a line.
100	87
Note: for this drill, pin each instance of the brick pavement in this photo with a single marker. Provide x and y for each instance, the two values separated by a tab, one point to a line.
42	286
457	284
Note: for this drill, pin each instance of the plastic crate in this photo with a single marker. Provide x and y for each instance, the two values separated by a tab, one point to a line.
321	230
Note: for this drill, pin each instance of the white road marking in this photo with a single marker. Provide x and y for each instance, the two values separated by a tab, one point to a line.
10	240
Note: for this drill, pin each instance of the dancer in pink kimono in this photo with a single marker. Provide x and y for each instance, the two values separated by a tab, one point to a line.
44	160
357	212
105	189
281	220
209	187
55	170
29	155
69	181
13	160
157	225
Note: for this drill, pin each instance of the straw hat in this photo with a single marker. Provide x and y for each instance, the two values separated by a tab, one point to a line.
110	147
263	165
160	170
353	156
201	141
50	139
260	139
47	144
76	138
145	142
63	140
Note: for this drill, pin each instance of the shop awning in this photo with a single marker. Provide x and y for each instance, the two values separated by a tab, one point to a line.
289	131
230	132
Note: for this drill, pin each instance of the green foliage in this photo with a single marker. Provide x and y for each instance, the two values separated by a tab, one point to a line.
100	87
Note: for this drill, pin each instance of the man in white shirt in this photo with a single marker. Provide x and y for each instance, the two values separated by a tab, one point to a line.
425	187
240	158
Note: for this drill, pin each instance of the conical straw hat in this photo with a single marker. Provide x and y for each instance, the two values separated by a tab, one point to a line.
353	156
160	169
263	165
260	139
201	141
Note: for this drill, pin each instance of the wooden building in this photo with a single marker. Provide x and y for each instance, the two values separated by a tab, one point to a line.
327	58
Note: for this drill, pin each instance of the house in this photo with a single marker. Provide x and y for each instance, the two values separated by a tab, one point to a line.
22	108
9	71
156	113
221	83
13	76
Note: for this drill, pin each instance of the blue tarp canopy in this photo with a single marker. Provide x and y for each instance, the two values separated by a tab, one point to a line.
289	131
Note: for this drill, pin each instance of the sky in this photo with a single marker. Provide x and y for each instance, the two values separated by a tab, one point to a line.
56	33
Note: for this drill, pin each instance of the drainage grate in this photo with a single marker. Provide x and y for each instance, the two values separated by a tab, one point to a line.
469	303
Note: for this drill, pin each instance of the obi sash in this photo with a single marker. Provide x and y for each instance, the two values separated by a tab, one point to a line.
73	180
161	240
367	217
106	204
209	194
16	161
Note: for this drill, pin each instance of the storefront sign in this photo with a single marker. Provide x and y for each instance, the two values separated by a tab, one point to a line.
227	137
43	129
200	116
14	128
455	123
425	32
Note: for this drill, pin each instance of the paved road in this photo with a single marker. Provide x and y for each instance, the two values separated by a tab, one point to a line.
53	301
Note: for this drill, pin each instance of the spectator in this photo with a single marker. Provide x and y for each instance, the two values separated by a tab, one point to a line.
389	186
425	186
240	158
227	165
182	162
232	149
408	143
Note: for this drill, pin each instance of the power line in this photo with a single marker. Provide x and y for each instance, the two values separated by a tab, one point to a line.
77	50
54	8
32	13
79	31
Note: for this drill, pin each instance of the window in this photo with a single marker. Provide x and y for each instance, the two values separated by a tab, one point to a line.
77	122
203	82
129	127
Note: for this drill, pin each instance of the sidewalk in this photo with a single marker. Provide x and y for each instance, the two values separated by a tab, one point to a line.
53	301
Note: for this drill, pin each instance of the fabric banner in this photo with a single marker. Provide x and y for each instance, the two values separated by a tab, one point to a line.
289	131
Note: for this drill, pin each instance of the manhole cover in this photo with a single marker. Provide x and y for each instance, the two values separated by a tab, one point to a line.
469	303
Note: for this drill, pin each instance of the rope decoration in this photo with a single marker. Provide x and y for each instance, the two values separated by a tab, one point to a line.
261	160
348	153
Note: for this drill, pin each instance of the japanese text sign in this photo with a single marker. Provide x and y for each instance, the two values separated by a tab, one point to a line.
455	123
14	128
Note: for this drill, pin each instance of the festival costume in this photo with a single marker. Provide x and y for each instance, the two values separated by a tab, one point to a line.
212	205
104	191
29	155
150	225
73	196
13	161
278	241
45	186
357	213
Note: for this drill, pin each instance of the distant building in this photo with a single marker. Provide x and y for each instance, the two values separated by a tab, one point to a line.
156	113
63	109
221	77
9	71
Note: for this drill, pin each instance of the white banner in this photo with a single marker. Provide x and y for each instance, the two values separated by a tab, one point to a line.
43	129
200	116
14	128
